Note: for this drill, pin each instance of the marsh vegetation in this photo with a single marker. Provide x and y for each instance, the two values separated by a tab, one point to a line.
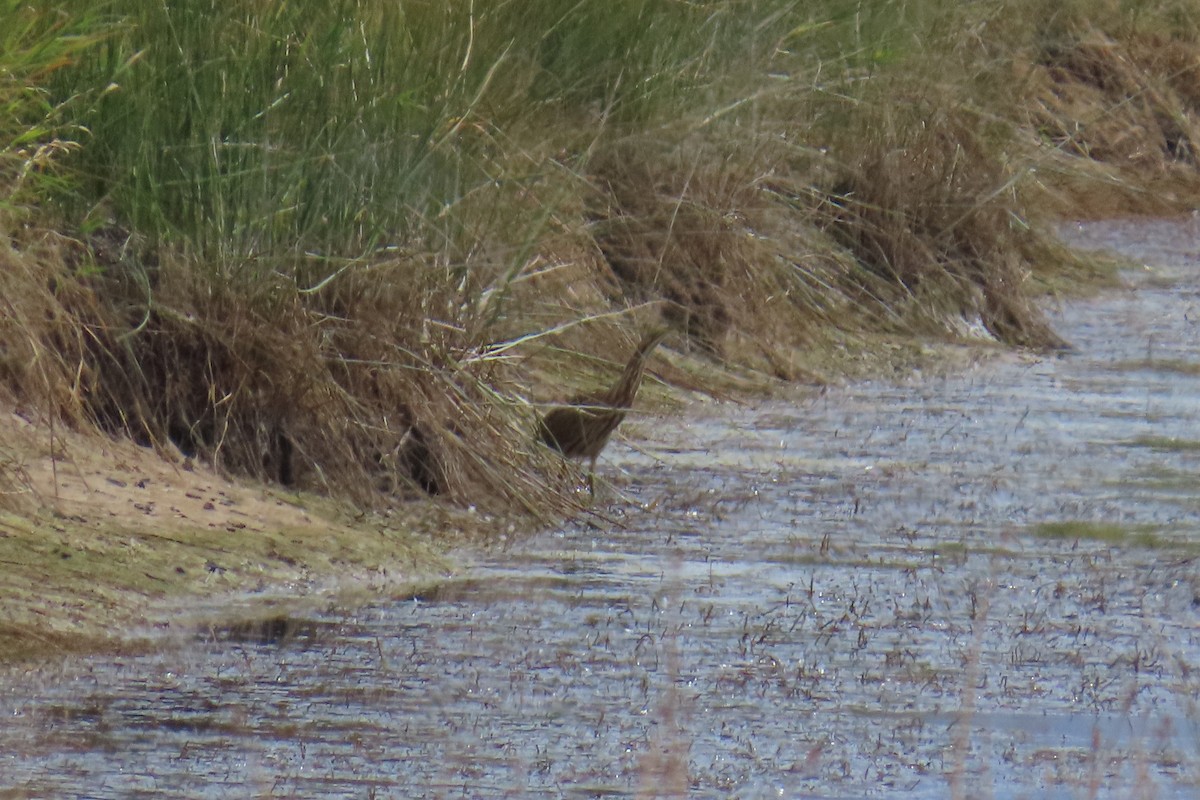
345	253
844	594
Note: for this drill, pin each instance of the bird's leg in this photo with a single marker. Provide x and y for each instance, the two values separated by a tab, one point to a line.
592	478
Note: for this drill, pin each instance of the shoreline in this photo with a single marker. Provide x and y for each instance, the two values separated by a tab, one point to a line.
114	540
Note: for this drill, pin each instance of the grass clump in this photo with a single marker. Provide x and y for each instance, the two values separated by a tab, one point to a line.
328	245
1113	95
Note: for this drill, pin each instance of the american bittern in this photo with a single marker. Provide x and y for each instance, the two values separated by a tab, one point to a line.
580	428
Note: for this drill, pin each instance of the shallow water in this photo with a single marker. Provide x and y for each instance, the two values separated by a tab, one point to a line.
841	596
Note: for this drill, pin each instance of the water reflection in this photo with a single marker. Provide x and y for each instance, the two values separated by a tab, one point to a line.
840	596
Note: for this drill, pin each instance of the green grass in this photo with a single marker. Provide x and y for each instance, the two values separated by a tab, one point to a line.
35	130
1145	536
1167	443
305	137
264	134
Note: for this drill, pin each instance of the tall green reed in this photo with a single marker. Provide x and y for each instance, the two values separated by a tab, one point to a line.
247	128
35	130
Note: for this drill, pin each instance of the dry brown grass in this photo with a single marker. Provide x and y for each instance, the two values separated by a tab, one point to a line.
1124	109
362	389
930	212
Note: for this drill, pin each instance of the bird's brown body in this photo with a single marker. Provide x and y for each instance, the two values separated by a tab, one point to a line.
582	426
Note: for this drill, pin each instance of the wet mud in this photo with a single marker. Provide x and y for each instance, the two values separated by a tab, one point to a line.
977	584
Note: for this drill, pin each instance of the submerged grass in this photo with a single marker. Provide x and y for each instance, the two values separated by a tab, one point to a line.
350	248
1145	536
1167	443
1168	365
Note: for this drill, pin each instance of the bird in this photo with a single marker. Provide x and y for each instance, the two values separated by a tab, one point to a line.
581	427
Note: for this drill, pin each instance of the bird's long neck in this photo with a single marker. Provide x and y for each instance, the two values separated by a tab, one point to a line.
621	395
